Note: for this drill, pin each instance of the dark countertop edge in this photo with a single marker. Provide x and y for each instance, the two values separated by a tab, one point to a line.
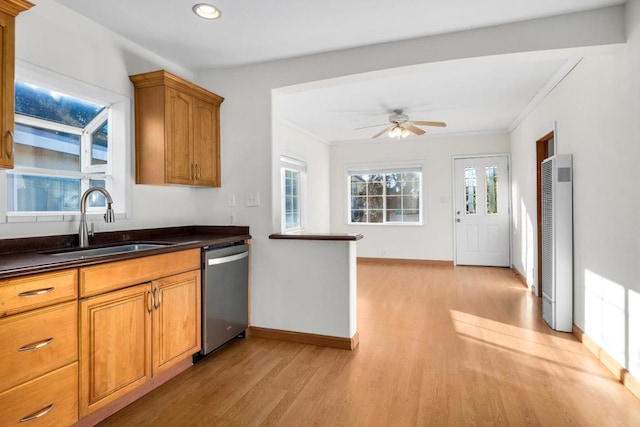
56	242
336	237
192	237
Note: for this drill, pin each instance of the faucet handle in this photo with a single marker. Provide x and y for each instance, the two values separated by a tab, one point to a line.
91	233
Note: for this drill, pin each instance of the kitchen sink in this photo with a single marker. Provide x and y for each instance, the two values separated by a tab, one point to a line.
81	253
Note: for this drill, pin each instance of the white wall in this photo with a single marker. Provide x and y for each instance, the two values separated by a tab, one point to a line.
294	142
434	239
54	38
246	115
596	109
314	288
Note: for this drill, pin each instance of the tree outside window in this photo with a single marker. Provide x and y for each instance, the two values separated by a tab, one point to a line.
385	196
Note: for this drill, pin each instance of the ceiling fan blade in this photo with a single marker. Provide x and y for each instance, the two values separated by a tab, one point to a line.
414	129
385	130
372	126
423	123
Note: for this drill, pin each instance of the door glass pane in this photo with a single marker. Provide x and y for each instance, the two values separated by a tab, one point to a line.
492	189
470	189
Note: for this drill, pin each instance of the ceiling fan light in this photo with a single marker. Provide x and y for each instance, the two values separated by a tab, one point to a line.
396	132
405	133
206	11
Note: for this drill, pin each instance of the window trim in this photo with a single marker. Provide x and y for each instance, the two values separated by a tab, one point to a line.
119	139
384	168
293	164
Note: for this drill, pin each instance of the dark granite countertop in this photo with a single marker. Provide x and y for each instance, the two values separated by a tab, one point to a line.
30	255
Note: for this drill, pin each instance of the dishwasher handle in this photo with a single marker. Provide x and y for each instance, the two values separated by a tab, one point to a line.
230	258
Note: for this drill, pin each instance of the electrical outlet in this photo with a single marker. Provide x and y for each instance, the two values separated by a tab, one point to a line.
232	200
232	218
252	199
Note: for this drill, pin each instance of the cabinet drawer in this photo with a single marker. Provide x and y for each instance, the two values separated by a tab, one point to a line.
102	278
37	342
39	290
53	396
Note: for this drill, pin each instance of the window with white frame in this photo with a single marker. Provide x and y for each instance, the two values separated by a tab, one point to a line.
293	181
63	145
385	194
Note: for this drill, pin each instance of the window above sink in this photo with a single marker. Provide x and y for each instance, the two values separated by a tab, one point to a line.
69	136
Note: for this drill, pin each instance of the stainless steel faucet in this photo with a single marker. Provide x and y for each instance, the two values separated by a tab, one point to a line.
109	216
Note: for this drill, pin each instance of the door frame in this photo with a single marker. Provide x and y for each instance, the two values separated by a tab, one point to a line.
542	152
453	199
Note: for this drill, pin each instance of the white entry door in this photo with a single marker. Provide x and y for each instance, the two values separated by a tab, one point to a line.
482	211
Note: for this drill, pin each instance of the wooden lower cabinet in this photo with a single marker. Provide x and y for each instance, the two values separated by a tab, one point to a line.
115	346
176	320
37	342
129	335
49	400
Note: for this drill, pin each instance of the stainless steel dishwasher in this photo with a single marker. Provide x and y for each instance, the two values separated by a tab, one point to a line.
225	281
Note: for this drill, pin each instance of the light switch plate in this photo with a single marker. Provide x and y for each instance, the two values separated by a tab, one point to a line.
252	199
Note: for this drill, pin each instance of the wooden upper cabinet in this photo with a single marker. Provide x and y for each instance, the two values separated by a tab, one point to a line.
177	131
9	9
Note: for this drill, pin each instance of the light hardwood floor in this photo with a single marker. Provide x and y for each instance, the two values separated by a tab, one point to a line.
438	346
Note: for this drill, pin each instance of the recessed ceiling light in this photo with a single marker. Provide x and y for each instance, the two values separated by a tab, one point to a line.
206	11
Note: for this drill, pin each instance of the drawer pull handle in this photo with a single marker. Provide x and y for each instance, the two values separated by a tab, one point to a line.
37	345
36	292
40	413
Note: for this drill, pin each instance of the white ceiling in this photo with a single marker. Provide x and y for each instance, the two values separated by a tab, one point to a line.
483	95
478	96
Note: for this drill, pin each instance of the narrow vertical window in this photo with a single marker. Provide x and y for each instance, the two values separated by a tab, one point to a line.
293	174
470	189
491	173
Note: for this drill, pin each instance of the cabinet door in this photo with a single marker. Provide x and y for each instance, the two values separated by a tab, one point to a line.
206	146
7	37
179	134
115	344
176	320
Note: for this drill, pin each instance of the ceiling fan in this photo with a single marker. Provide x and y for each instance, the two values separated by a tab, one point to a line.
401	126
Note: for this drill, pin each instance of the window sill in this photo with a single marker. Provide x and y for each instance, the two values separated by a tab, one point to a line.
26	218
